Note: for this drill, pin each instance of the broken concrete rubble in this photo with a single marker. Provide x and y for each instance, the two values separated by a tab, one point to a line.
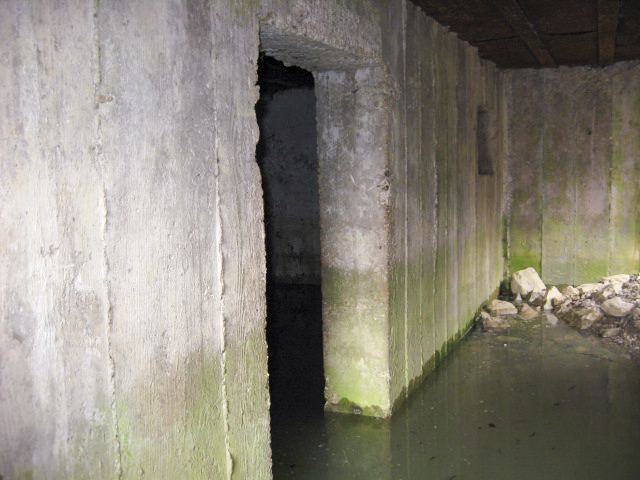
527	281
570	291
583	318
500	307
609	309
493	323
616	307
587	288
553	298
622	278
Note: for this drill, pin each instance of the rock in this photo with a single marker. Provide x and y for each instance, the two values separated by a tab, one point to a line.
610	332
564	309
553	298
492	324
538	299
604	293
518	300
500	307
570	291
620	278
587	288
527	313
616	307
526	281
636	317
551	319
587	303
584	318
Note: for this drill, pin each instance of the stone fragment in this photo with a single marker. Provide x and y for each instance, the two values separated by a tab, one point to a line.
553	298
584	318
610	332
620	278
500	307
538	299
587	288
492	324
526	281
551	319
527	313
517	300
604	293
616	307
570	291
587	303
564	309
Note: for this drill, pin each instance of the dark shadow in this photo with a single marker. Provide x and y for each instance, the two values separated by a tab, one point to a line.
286	154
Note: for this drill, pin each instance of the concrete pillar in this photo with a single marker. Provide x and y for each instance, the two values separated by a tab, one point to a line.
354	198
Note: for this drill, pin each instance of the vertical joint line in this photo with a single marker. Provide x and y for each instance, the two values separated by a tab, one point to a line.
406	198
99	161
223	326
541	174
610	179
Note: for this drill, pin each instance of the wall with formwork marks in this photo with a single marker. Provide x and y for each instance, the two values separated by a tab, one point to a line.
132	257
574	172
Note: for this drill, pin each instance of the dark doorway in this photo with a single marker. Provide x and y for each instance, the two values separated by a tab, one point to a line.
286	154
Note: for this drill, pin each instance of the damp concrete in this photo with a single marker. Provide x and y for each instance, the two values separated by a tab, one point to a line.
539	401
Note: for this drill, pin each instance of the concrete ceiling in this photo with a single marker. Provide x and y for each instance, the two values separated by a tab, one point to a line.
544	33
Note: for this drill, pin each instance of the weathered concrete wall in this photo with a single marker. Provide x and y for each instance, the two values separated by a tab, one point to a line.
574	165
404	268
446	220
132	261
131	253
354	198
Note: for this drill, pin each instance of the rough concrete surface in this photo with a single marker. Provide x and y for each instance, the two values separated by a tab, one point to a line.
132	259
132	256
573	171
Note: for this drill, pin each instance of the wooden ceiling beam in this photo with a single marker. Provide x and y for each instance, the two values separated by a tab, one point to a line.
607	26
522	26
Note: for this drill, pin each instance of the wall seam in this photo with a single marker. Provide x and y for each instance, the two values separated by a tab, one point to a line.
574	244
434	242
97	151
223	333
406	197
610	175
541	170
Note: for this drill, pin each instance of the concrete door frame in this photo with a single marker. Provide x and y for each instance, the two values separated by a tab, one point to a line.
353	118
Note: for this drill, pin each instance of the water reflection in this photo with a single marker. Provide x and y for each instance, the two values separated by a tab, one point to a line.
542	402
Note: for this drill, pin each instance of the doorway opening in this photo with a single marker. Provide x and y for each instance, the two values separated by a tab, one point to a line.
287	156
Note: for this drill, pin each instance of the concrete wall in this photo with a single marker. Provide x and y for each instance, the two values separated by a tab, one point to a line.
131	253
574	178
446	220
132	261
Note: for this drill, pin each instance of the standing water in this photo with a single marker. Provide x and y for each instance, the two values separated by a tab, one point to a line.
539	402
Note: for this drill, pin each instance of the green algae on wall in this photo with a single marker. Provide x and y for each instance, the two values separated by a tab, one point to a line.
584	224
187	439
355	341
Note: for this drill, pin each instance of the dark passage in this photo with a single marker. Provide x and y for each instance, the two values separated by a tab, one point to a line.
286	154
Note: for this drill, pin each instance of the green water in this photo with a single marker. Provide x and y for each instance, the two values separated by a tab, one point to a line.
539	402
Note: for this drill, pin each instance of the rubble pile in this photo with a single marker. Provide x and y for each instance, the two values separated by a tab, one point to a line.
609	309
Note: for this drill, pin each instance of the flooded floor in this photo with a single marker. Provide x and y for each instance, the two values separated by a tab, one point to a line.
539	402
